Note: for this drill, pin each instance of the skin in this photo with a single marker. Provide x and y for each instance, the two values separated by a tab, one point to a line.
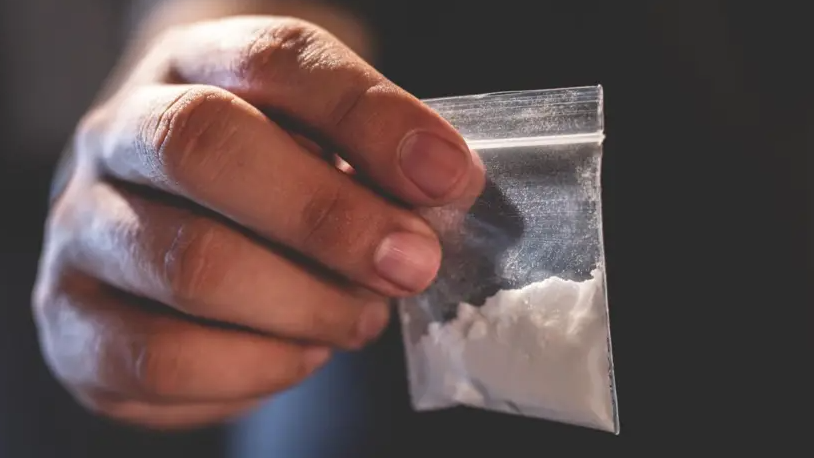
204	255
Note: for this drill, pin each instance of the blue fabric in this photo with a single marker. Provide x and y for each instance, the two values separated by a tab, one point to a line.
317	417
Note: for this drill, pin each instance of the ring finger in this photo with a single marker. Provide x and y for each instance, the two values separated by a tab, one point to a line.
202	267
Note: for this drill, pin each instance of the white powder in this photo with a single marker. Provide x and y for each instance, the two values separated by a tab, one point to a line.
541	351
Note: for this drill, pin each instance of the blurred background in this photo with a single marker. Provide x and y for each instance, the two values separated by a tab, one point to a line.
707	220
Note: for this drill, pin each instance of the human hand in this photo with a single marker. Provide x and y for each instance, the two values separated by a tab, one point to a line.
203	256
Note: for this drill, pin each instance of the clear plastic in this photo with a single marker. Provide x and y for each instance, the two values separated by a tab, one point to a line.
517	320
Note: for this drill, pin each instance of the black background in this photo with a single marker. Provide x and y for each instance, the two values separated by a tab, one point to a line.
709	114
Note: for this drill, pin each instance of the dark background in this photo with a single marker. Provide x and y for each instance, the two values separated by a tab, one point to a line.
709	121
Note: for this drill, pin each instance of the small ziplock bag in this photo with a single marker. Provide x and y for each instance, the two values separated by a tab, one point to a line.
517	319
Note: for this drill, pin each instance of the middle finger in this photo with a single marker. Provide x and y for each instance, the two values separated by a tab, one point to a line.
203	268
208	145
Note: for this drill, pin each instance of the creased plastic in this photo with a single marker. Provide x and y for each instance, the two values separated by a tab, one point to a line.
539	219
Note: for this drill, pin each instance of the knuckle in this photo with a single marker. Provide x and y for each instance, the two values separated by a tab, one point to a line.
278	56
41	302
193	263
51	300
325	216
278	48
61	216
349	100
56	312
175	132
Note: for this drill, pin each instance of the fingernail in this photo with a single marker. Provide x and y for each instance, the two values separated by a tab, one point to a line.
373	322
435	165
409	260
316	356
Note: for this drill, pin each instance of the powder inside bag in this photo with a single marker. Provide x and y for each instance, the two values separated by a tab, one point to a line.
541	350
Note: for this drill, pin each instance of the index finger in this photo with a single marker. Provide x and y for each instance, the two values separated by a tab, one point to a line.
297	69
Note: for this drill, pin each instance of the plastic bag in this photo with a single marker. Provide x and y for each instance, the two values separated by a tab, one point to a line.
517	320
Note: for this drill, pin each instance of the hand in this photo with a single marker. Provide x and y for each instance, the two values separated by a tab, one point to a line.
203	256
